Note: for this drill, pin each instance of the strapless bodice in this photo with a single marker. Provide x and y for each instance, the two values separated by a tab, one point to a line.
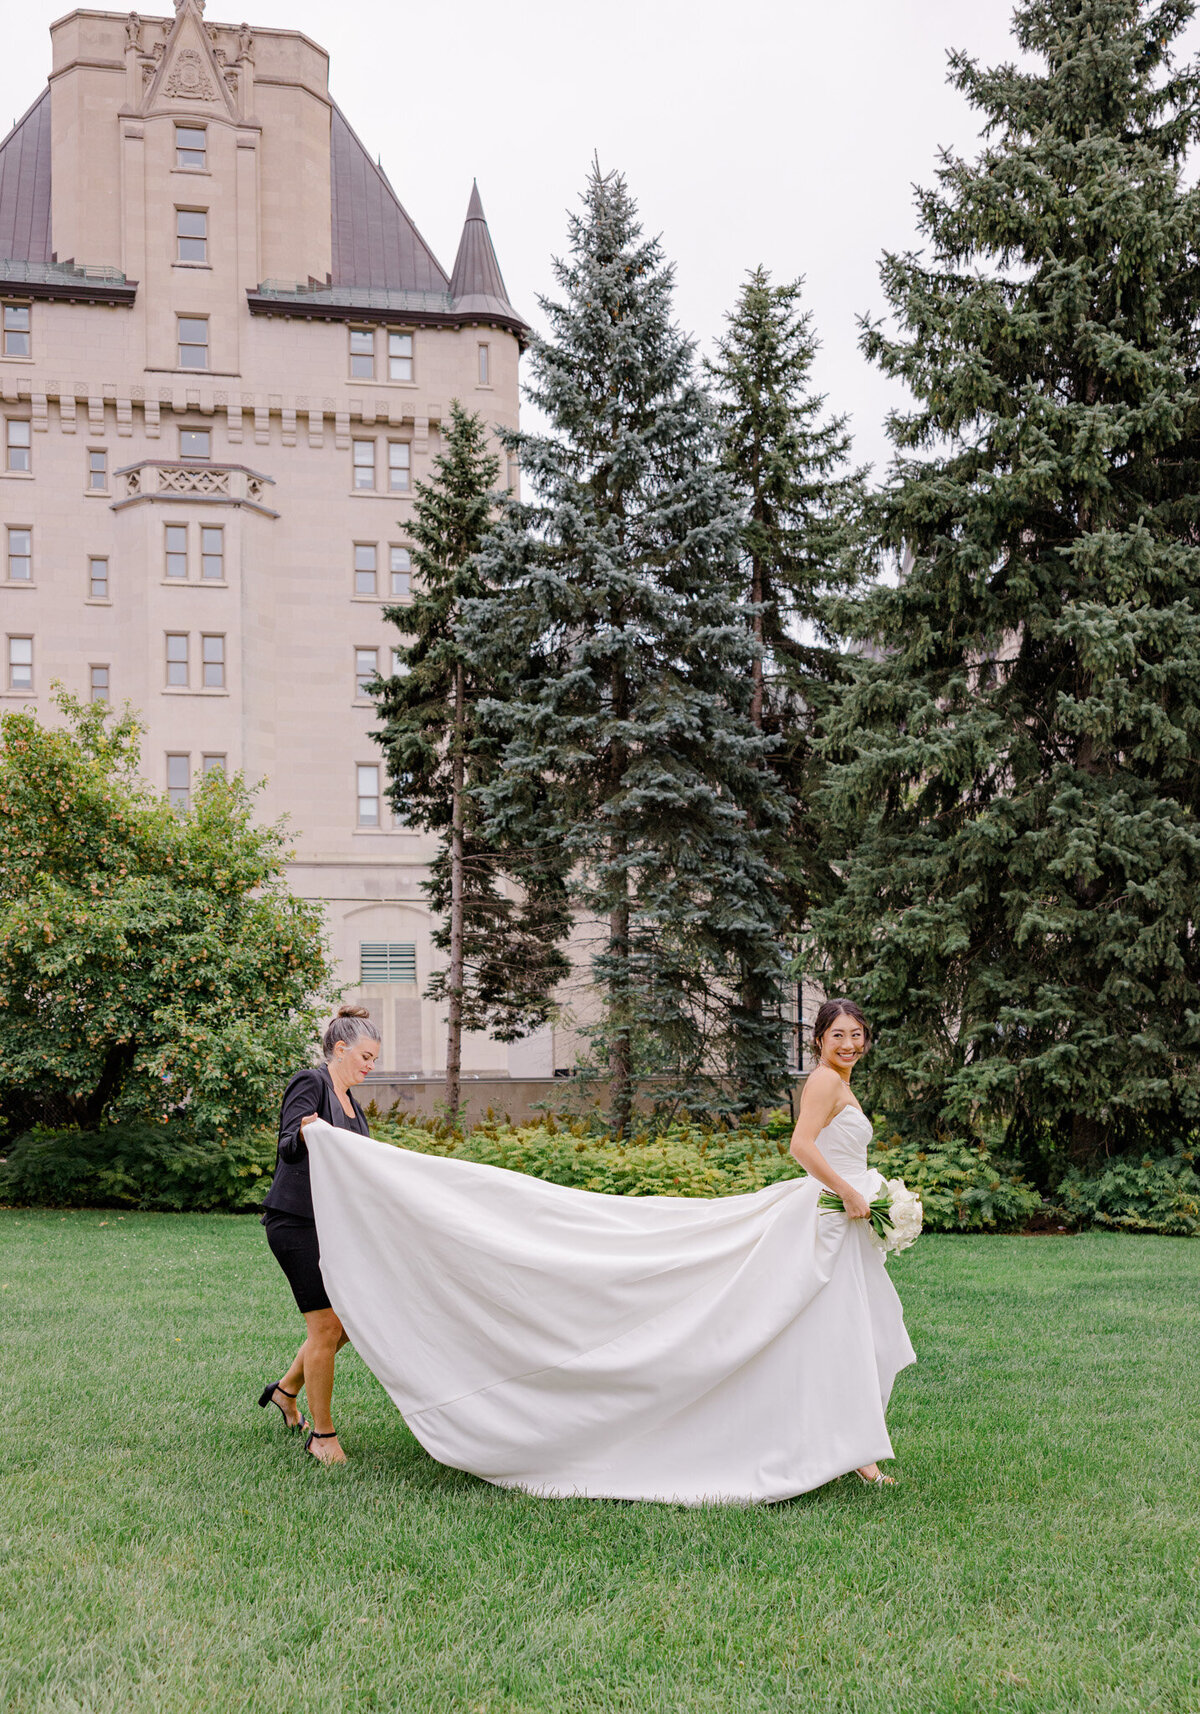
844	1141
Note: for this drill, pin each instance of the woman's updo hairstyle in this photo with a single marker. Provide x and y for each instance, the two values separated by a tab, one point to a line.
351	1024
834	1009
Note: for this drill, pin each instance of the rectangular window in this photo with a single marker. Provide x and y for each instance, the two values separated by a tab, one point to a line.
366	668
18	447
213	653
365	556
485	366
16	330
195	443
367	775
400	667
20	663
212	552
212	765
20	554
191	146
97	469
98	684
177	658
97	579
193	341
362	354
191	235
401	569
399	464
400	356
387	961
364	464
176	547
179	781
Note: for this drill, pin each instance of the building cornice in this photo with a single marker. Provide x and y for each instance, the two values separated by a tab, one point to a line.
65	283
328	304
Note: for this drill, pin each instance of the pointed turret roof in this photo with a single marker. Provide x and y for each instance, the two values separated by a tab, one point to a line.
477	285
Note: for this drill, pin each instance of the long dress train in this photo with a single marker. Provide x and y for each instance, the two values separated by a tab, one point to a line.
738	1349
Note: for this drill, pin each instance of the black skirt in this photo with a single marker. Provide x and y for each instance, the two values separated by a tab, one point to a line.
293	1241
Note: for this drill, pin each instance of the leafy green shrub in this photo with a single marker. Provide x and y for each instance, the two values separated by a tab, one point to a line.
153	962
962	1186
684	1159
137	1166
1147	1195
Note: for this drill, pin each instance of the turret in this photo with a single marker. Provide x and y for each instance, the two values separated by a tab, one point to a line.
477	285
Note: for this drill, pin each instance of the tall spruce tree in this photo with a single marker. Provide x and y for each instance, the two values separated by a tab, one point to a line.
1018	772
501	917
632	724
801	502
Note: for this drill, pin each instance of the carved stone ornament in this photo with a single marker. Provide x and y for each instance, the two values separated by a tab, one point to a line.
188	80
133	32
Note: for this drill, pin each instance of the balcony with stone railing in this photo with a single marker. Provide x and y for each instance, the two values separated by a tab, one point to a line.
175	479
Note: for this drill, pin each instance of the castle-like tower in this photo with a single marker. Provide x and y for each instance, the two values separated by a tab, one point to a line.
225	355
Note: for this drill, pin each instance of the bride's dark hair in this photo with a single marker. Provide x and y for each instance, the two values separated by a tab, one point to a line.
834	1009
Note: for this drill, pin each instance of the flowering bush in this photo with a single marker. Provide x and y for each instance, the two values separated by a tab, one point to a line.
962	1186
1147	1195
686	1159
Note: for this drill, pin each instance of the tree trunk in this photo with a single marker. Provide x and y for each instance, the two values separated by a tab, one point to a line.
1087	1140
756	694
454	986
751	998
620	1052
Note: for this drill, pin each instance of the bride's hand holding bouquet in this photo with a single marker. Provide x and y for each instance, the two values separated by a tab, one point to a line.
895	1214
852	1202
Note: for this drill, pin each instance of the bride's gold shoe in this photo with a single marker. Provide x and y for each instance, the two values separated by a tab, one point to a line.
878	1480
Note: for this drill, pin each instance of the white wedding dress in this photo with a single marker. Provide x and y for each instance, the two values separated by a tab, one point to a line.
638	1348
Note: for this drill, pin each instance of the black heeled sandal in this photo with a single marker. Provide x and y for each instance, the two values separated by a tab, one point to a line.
330	1434
267	1397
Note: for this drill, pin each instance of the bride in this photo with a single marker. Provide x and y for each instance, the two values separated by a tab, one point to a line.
694	1351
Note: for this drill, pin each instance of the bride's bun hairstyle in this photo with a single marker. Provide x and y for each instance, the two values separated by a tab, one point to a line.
834	1009
351	1024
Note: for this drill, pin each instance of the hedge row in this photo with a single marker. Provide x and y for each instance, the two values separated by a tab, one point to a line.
963	1186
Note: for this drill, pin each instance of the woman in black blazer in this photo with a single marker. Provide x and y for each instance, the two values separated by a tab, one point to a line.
351	1046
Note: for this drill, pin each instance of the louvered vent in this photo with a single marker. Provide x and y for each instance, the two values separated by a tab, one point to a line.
387	961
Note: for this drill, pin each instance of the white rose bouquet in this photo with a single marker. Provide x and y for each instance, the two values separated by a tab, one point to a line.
895	1219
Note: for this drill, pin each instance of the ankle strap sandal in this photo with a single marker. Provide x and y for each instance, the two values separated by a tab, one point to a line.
331	1434
267	1397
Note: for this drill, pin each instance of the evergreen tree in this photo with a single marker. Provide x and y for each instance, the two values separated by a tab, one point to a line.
501	917
1018	767
800	504
629	746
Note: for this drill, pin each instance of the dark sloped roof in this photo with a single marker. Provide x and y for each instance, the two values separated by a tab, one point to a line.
25	186
375	244
477	284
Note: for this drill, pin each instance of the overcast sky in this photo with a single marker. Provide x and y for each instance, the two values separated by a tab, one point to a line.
787	132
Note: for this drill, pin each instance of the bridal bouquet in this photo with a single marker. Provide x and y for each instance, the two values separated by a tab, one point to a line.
895	1218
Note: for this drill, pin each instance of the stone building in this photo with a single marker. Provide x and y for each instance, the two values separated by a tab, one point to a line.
226	353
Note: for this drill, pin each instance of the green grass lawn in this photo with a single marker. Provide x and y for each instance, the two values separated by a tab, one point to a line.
167	1547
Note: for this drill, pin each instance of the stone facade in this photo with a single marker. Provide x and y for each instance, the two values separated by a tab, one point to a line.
226	356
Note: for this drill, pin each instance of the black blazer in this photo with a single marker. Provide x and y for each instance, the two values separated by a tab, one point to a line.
309	1091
